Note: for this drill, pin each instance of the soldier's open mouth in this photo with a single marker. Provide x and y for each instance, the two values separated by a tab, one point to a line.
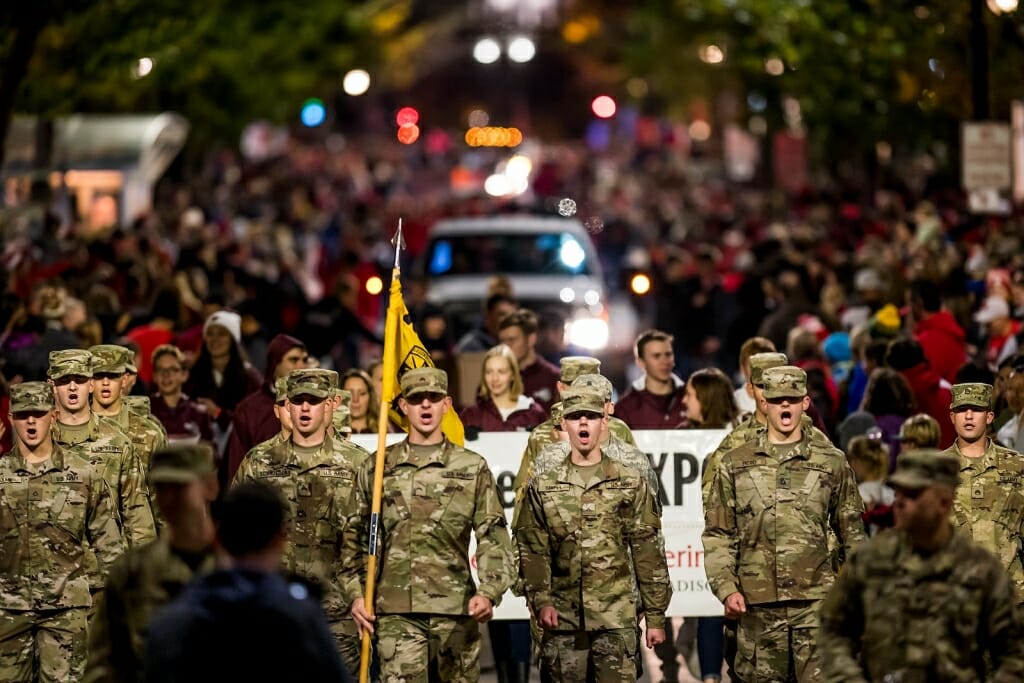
584	435
72	398
786	416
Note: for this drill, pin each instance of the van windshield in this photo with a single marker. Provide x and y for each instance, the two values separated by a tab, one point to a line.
518	254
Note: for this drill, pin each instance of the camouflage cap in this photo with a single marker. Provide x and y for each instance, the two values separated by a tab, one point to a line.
70	362
556	412
599	384
312	382
280	390
341	418
974	394
181	463
785	381
31	396
424	381
581	401
574	366
760	362
109	358
344	397
139	404
921	468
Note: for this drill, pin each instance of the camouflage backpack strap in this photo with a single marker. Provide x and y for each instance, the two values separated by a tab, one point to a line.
550	457
635	459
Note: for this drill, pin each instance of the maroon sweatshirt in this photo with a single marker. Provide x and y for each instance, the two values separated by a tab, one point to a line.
484	415
540	382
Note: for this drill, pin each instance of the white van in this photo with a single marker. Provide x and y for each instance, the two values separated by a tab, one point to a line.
551	262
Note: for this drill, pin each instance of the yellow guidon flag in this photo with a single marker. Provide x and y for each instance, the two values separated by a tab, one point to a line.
403	351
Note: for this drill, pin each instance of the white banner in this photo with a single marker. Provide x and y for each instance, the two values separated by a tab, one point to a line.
676	456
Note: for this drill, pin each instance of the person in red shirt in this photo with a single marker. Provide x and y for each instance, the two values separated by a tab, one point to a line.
501	405
943	340
932	393
655	400
157	332
518	331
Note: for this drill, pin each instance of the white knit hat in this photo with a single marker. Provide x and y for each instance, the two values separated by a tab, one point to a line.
229	320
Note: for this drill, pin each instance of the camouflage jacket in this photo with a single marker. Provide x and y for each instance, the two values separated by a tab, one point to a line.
894	615
145	432
989	506
319	495
545	433
584	548
140	582
432	501
766	531
110	452
49	513
746	431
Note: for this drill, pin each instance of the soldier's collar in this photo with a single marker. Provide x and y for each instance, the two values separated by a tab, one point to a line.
608	469
55	461
405	454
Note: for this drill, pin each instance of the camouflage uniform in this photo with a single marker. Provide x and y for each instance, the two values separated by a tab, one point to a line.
433	498
895	614
143	580
989	504
145	431
140	405
318	490
49	511
341	418
586	549
766	537
108	449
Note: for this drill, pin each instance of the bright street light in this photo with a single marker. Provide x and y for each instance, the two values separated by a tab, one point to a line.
521	49
486	51
1002	6
356	82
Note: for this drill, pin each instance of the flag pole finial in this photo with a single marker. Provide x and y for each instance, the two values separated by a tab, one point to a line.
398	242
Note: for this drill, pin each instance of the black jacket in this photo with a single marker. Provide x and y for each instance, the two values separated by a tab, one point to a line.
243	625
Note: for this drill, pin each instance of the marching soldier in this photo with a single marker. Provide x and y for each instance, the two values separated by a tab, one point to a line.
315	475
428	609
78	430
989	505
766	545
589	535
52	505
922	602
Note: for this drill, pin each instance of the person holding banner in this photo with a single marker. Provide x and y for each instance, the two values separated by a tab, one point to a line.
766	539
590	539
314	473
427	608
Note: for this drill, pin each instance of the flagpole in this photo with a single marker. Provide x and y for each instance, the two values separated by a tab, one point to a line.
390	372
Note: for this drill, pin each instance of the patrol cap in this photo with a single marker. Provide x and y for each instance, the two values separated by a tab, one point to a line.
341	418
181	463
312	382
280	390
109	358
599	384
573	366
924	467
760	362
424	381
70	362
344	396
139	404
785	381
974	394
556	412
31	396
581	401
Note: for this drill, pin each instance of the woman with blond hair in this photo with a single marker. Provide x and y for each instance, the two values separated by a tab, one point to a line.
501	405
364	406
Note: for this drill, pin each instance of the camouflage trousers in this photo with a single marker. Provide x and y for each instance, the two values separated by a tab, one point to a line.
417	648
45	646
580	656
776	643
348	643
